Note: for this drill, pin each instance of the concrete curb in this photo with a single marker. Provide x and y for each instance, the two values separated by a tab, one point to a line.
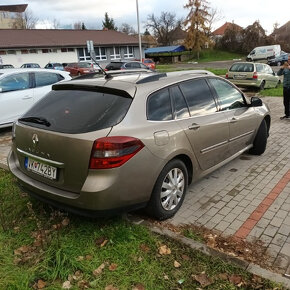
4	166
250	267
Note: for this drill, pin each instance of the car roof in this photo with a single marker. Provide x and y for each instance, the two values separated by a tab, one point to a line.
21	70
129	80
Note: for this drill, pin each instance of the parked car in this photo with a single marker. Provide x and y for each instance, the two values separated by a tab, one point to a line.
279	60
251	74
150	63
2	66
123	65
264	52
133	140
54	65
79	68
21	88
30	65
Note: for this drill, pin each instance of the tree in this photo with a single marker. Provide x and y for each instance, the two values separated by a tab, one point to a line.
83	26
25	20
162	26
108	23
147	32
254	35
77	25
128	29
214	16
196	23
232	38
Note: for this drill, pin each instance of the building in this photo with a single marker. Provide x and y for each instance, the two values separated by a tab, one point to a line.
18	46
9	14
219	32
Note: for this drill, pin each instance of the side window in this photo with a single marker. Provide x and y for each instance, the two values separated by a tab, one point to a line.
259	68
15	82
45	79
198	96
180	106
229	97
159	106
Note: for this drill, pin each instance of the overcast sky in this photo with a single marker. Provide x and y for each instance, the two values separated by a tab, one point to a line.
91	12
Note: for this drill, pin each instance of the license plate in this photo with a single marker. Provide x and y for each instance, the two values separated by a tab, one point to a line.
239	77
40	168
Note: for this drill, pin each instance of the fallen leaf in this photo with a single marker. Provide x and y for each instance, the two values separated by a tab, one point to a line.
111	287
83	284
166	277
139	259
211	240
104	243
176	264
164	250
185	257
100	241
66	285
138	286
41	284
113	267
223	276
89	257
80	258
65	222
235	279
99	270
144	248
202	279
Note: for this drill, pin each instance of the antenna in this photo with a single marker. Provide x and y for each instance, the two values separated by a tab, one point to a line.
90	46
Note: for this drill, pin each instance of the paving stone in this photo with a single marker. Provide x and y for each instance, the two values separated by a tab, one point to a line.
279	240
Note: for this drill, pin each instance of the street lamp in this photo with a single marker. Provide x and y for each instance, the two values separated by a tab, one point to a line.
139	35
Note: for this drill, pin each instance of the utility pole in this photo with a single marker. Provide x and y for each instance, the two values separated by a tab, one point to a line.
139	35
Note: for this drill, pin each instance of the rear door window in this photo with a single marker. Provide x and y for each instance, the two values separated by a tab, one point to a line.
159	106
180	107
199	97
79	111
46	78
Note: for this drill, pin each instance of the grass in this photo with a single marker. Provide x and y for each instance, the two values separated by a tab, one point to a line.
217	55
44	247
274	92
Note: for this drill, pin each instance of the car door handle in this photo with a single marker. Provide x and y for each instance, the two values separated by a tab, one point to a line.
233	120
194	126
26	97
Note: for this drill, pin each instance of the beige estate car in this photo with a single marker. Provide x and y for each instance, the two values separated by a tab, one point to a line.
132	140
252	74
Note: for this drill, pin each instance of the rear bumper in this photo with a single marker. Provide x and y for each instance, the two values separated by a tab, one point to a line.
101	194
246	83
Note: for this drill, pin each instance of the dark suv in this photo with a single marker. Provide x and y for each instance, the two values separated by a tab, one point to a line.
122	65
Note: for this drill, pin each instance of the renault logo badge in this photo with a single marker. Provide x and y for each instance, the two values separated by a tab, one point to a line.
35	139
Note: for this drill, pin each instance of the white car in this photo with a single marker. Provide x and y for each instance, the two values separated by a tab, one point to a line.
21	88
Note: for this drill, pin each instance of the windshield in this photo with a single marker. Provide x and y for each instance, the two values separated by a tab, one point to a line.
77	111
84	65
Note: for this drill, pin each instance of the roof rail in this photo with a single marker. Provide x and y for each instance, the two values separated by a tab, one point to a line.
151	78
190	72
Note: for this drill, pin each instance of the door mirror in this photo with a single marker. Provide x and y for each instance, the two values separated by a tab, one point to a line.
256	102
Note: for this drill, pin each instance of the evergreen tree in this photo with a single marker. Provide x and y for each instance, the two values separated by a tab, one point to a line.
146	32
108	23
196	25
83	26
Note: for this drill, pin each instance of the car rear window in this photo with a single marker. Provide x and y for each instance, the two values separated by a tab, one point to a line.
79	111
242	67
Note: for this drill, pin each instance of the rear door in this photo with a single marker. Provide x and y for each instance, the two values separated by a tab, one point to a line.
241	117
16	96
206	129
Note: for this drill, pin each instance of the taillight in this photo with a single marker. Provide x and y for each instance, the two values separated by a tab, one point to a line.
111	152
255	75
227	75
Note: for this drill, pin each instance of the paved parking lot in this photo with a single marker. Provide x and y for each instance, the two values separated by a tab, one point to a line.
248	198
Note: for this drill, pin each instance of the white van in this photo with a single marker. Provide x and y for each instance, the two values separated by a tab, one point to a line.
264	52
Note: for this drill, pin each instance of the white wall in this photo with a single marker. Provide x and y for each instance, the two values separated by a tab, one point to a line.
41	58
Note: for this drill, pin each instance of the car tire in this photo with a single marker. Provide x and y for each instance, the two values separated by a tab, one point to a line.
173	179
260	141
262	85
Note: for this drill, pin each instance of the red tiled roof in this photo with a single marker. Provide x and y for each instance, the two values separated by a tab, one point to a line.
34	38
13	8
221	30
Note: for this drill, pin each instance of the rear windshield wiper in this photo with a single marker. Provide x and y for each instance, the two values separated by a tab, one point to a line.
37	120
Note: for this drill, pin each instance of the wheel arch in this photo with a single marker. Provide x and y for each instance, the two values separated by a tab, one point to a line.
188	163
268	122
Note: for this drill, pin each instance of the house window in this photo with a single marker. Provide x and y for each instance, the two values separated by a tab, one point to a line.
100	53
128	52
11	51
48	50
66	49
84	54
33	51
2	52
63	49
115	52
24	51
70	49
